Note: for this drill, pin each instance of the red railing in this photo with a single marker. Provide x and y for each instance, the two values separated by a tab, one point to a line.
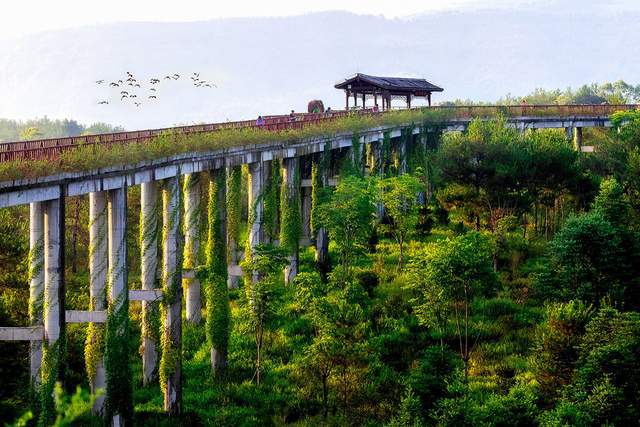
52	147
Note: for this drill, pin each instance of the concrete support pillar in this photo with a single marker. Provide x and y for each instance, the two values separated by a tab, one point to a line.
233	210
256	204
117	370
578	139
172	308
53	308
569	132
36	284
290	214
148	270
377	170
306	212
217	258
402	155
319	180
190	282
98	267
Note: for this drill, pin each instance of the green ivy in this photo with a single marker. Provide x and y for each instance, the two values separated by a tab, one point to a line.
218	311
234	185
385	154
171	356
119	396
291	223
271	200
51	370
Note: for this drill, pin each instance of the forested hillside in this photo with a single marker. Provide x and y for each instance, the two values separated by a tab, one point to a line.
16	130
495	282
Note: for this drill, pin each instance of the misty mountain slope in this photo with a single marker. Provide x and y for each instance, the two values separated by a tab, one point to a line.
270	65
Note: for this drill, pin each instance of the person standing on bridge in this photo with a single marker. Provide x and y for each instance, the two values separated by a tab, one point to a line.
375	108
260	121
292	116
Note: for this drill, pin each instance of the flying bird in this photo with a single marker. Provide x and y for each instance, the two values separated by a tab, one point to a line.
167	77
114	84
176	76
152	89
103	102
124	92
99	81
153	97
138	104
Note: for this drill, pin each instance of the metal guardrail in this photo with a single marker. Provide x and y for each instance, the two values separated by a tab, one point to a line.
52	147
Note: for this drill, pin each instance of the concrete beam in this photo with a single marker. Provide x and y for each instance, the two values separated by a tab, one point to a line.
86	316
25	333
146	295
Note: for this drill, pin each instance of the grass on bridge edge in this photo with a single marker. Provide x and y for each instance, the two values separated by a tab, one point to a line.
93	157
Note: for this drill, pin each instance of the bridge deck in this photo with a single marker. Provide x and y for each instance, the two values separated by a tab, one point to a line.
52	147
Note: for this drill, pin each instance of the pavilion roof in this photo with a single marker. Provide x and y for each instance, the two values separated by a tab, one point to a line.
389	83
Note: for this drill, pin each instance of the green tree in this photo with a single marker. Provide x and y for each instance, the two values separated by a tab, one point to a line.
265	265
348	216
589	259
400	198
446	278
556	347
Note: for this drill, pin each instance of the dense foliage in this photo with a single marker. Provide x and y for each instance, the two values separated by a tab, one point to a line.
496	282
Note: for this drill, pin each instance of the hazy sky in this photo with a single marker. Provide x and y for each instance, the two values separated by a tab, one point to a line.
20	17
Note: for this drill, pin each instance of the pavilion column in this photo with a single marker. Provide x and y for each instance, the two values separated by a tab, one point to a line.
578	139
117	367
191	245
98	267
36	284
171	364
429	99
149	218
53	303
290	215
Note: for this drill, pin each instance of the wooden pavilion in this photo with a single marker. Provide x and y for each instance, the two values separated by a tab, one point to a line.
364	86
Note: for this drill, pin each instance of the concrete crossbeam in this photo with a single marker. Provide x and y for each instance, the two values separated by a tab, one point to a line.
85	316
24	333
148	295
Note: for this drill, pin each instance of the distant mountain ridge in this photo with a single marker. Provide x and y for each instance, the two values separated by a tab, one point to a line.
271	65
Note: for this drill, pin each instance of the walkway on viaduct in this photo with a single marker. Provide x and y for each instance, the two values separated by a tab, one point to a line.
170	195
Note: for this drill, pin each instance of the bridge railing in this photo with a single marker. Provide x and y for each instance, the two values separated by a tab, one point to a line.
51	148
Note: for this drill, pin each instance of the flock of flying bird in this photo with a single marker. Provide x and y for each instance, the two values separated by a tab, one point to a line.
129	87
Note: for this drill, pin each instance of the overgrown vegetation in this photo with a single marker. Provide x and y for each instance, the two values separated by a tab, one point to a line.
497	286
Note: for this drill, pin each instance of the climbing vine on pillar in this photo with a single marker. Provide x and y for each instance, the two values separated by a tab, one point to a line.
215	272
385	154
119	398
53	359
234	185
171	353
291	223
271	203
